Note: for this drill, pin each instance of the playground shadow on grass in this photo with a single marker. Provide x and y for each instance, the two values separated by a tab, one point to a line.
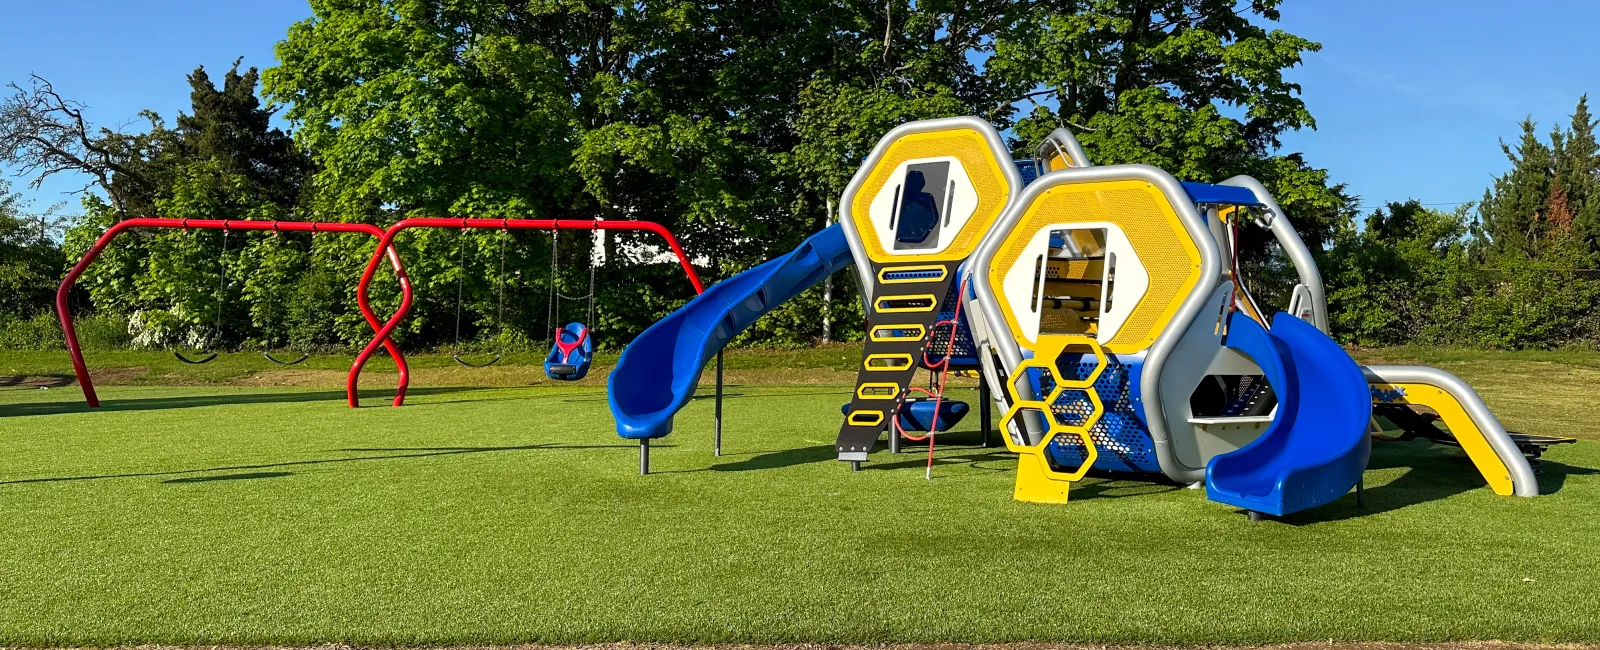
778	459
1433	473
880	459
203	474
708	394
228	477
198	401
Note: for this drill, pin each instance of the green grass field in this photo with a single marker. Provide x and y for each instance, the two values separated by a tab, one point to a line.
504	513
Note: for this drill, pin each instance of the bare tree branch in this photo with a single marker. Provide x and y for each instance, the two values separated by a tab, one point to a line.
43	134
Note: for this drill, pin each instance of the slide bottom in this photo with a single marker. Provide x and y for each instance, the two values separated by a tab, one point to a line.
1317	446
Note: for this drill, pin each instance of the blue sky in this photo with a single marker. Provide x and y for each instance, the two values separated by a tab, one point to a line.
1410	97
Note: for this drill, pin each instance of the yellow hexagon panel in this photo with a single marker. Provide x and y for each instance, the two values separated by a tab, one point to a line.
1158	237
951	176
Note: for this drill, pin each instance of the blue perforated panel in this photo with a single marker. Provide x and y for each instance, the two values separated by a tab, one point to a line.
1121	436
1028	169
966	353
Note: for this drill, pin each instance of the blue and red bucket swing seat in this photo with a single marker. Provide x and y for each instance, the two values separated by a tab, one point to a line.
570	355
572	349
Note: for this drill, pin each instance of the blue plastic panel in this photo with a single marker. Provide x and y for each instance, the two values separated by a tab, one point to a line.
1219	194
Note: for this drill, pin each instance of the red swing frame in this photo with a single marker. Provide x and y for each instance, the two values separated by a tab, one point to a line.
64	312
386	243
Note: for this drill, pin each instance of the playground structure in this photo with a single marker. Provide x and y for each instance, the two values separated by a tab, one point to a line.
574	343
63	292
386	241
1102	308
1106	313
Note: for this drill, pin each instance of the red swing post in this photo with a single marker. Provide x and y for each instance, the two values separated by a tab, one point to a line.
64	311
352	381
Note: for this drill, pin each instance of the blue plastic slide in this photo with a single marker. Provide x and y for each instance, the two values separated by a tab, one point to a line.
1317	447
658	372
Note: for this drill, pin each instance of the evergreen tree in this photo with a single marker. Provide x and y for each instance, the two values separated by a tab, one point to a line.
1574	202
1514	215
229	126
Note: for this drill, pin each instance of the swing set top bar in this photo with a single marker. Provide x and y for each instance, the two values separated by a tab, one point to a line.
64	312
352	380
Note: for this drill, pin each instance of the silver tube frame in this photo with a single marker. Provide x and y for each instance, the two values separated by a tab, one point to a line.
1299	255
1523	481
1063	142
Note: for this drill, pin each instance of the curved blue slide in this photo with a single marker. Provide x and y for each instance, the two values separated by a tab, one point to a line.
659	371
1317	446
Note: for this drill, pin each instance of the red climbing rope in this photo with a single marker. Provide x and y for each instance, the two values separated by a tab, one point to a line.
943	368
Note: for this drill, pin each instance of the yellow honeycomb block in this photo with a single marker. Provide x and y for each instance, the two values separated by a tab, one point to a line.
1037	480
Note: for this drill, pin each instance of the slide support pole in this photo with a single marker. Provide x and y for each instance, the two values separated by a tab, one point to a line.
644	456
716	446
983	411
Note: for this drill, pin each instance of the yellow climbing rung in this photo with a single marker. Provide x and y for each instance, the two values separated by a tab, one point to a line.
878	390
866	418
888	333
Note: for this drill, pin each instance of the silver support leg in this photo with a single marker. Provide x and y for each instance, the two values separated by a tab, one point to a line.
983	410
644	456
894	436
716	445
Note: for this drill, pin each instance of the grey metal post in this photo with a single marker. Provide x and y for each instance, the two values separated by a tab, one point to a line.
827	289
716	446
983	409
644	456
894	436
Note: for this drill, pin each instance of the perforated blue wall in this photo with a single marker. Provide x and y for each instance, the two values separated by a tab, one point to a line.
1121	436
966	353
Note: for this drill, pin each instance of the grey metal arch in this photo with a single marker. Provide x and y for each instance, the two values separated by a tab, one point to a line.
997	148
1524	483
1060	141
1282	229
1156	357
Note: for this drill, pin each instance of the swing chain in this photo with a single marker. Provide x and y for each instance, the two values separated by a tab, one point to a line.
500	300
553	303
222	283
461	275
590	323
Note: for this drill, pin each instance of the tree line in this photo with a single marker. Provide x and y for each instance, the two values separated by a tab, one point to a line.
733	124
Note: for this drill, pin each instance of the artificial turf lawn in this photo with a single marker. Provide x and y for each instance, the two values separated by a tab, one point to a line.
259	515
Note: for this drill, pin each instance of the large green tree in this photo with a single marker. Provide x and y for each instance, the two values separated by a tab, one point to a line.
30	259
736	123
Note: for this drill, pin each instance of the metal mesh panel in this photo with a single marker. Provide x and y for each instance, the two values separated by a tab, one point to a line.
1028	169
1122	438
966	352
